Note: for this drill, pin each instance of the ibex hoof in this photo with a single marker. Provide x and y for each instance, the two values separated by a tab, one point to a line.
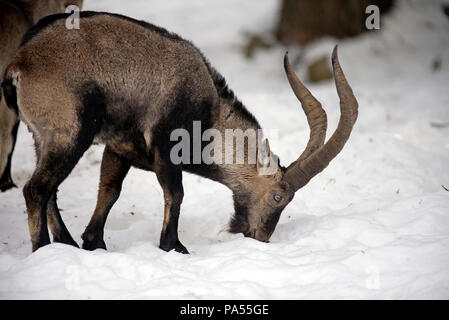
178	246
92	242
39	244
6	185
68	240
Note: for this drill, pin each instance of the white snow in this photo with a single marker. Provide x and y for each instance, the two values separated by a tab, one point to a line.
374	224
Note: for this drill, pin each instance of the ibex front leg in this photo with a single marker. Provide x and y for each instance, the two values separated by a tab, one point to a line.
170	179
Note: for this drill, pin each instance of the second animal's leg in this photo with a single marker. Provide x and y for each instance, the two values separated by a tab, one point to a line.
57	226
113	170
170	179
9	124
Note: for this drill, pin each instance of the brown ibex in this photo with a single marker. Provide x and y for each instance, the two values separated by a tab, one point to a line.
16	17
129	84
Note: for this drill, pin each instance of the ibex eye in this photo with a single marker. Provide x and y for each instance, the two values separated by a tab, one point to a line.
277	198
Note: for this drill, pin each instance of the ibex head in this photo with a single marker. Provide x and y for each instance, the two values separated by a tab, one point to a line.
259	206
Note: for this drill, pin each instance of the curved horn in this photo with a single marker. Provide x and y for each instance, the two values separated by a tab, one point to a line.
316	117
301	171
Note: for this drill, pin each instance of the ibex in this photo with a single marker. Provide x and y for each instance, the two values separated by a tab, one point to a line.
129	84
16	17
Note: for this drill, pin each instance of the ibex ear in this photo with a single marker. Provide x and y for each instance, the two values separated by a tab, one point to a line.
266	162
267	148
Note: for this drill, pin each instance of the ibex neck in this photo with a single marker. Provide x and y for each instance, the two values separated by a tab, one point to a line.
234	131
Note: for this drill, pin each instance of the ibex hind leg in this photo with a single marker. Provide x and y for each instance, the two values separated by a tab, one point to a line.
58	152
54	164
57	226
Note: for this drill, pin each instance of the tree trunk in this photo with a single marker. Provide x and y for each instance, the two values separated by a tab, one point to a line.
302	21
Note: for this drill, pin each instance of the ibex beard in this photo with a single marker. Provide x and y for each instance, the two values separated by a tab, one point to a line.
130	85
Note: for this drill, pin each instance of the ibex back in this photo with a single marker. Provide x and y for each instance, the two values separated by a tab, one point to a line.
129	84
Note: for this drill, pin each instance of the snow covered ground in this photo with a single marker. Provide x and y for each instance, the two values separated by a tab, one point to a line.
374	224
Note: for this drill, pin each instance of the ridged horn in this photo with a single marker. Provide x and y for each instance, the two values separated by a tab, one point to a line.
317	155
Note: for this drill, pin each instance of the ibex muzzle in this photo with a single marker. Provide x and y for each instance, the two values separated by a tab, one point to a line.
129	85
